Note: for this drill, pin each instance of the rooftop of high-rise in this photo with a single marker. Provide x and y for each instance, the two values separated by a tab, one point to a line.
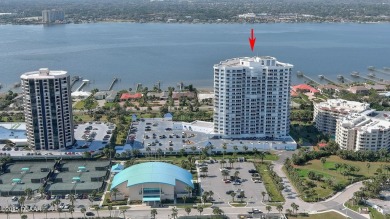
343	106
255	61
44	73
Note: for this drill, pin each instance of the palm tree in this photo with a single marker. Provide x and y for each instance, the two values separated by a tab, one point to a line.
110	208
268	208
224	147
242	195
184	198
235	148
263	194
189	190
262	156
231	162
200	209
294	207
8	211
223	161
279	208
289	211
123	211
97	208
217	211
28	192
225	174
188	210
71	210
245	148
236	174
72	199
21	202
114	191
148	149
59	212
211	193
368	165
174	212
41	191
233	194
323	161
153	213
44	210
83	210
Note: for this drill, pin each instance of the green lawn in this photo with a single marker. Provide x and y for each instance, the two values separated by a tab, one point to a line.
80	105
270	186
327	215
328	170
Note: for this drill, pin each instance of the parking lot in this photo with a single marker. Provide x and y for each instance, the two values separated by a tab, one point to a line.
215	182
165	134
36	204
157	133
92	136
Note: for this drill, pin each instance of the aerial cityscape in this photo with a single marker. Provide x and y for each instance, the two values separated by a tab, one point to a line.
195	109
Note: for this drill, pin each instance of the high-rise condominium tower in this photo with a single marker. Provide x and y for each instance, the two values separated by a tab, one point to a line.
48	109
252	98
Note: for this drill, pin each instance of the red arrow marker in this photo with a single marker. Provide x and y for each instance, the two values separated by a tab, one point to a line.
252	40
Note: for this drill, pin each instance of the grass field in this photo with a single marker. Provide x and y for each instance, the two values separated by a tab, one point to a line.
329	171
270	186
327	215
80	105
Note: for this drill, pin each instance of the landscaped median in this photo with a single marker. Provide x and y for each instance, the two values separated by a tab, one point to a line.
272	182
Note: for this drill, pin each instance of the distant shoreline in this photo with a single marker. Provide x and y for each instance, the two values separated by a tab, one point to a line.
202	23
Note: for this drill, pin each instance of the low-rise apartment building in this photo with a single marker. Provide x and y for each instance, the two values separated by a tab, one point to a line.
369	131
326	113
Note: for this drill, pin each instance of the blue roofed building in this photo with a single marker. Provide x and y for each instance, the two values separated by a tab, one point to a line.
152	182
117	168
168	116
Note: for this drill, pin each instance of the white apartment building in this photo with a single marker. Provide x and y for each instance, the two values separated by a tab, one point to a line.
326	113
51	16
368	131
48	109
252	98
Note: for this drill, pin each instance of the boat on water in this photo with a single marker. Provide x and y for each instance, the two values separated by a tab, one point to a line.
355	73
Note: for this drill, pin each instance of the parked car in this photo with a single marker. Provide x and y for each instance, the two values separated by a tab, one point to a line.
90	213
229	192
14	198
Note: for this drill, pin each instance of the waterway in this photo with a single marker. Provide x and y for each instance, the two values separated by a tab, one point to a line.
171	53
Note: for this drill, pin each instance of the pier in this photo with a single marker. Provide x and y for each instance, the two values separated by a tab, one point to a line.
385	70
300	74
113	83
356	74
344	79
373	76
322	77
74	80
85	82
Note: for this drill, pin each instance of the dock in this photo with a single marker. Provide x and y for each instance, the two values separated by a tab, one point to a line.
112	83
356	74
322	77
85	82
373	76
344	79
385	70
300	74
74	80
